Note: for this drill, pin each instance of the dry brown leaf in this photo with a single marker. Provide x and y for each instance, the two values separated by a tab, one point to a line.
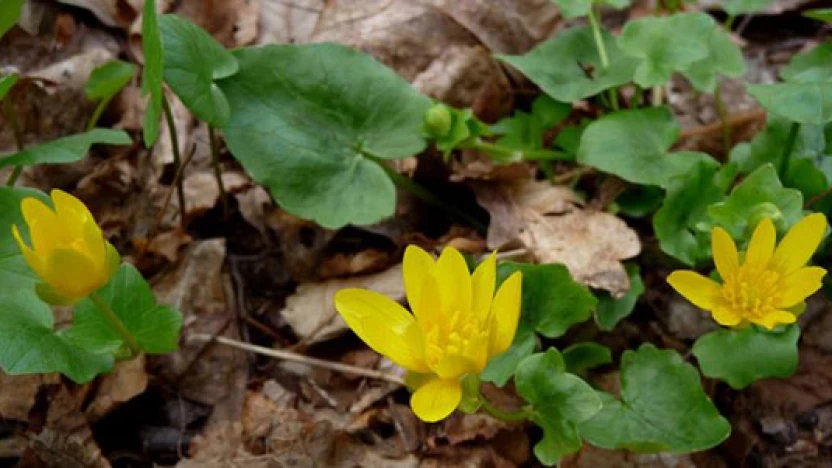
591	457
202	192
548	222
168	244
310	310
127	380
288	22
18	393
113	13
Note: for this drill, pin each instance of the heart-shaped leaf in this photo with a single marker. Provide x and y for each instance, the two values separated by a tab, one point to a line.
108	79
741	7
500	369
152	73
32	346
634	145
724	58
560	401
580	357
9	14
568	67
576	8
155	327
647	40
810	67
67	149
194	61
807	103
740	357
6	84
611	310
315	135
662	408
14	273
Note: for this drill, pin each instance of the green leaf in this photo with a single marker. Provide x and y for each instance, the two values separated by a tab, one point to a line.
638	201
552	300
807	103
193	62
761	186
741	7
501	369
67	149
464	128
724	58
7	83
31	345
576	8
611	310
568	67
14	273
315	135
647	40
9	14
155	327
108	79
581	357
740	357
676	222
820	14
634	145
152	74
523	132
810	67
560	401
662	408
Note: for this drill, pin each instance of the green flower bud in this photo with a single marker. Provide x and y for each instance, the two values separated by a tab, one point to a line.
438	120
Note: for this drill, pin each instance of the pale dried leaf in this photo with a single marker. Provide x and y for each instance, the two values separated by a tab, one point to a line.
113	13
291	22
18	393
127	380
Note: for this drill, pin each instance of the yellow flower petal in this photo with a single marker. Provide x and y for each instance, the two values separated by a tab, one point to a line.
505	313
384	325
34	262
725	316
776	317
437	399
484	281
799	285
454	281
451	366
72	214
428	308
800	243
761	247
44	229
725	252
701	291
71	274
416	266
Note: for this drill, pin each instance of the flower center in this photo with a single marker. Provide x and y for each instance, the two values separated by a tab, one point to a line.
752	291
459	337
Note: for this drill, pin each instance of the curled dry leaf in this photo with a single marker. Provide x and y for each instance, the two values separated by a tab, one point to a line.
17	404
127	380
310	310
549	222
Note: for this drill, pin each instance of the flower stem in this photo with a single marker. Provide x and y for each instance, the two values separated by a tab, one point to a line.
17	130
117	324
595	24
522	414
97	114
215	161
177	158
729	22
788	149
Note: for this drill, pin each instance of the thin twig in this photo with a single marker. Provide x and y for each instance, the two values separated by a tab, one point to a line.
177	159
215	161
294	357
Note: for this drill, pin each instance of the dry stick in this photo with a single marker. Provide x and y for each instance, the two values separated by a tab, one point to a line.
17	130
215	160
733	120
177	159
294	357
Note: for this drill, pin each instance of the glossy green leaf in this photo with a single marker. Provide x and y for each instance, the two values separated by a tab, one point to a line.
581	357
67	149
7	83
724	58
155	327
14	273
810	67
315	135
32	346
560	402
740	357
568	67
662	408
9	14
576	8
194	61
677	222
501	369
611	310
741	7
761	186
108	79
152	73
552	300
647	40
634	145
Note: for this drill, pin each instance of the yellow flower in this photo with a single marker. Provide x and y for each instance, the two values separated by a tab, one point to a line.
768	283
68	252
457	325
